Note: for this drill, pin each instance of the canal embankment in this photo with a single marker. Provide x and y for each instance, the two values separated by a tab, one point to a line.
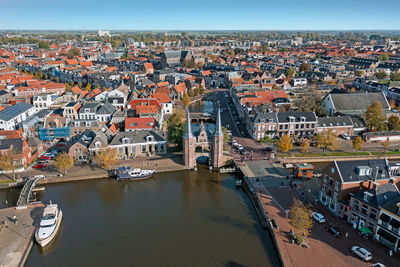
17	228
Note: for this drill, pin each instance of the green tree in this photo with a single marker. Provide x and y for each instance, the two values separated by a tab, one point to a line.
196	91
301	220
8	162
375	118
202	91
186	99
380	75
285	143
176	129
359	73
383	57
394	123
44	45
326	140
358	143
226	135
63	162
395	76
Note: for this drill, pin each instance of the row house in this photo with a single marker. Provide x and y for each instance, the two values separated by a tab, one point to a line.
12	117
71	110
88	110
19	149
39	87
140	143
296	123
388	226
338	125
44	101
340	178
104	113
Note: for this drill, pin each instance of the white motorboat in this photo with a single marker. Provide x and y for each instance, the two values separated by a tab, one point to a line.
49	224
126	173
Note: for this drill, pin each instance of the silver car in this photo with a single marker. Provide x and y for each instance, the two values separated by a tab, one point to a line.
364	254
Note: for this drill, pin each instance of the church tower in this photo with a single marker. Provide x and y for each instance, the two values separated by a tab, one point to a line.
189	140
218	143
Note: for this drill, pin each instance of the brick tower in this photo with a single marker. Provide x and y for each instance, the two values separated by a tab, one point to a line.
218	143
189	157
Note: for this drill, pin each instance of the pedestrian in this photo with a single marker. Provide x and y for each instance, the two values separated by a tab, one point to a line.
390	253
347	234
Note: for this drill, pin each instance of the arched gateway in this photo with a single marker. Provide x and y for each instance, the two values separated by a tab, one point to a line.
190	142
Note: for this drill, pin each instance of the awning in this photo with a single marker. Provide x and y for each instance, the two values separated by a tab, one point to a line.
384	217
365	230
395	223
387	235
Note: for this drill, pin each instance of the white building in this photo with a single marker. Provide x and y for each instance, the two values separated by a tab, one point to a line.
104	33
43	101
12	117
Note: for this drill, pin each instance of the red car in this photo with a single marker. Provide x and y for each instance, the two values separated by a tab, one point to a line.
44	157
40	166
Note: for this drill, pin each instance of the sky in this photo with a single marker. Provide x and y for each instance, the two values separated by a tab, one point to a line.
199	15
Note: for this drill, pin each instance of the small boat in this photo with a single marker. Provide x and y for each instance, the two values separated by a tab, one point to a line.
49	224
238	183
126	173
38	189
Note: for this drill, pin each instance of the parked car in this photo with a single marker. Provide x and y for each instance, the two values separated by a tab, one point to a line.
345	136
45	157
240	146
40	166
378	265
364	254
318	217
334	231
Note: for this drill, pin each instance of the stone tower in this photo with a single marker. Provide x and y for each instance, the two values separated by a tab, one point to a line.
218	143
189	140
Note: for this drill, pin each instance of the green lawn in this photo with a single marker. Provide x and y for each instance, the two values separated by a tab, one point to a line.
386	153
331	154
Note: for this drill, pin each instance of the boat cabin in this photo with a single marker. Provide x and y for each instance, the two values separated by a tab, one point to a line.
303	170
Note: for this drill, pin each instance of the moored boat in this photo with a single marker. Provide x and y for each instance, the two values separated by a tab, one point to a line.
126	173
49	224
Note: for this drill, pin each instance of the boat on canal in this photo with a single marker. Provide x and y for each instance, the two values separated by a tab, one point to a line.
49	224
126	173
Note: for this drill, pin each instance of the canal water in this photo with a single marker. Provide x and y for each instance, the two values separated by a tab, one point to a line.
172	219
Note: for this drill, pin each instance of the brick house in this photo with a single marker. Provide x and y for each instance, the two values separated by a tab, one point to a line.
340	178
296	123
388	227
338	125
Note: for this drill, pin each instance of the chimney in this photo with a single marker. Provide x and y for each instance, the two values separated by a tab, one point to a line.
391	180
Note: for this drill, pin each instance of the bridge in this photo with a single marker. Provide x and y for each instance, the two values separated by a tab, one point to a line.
202	117
26	192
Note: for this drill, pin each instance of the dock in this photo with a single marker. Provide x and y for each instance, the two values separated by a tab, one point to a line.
17	233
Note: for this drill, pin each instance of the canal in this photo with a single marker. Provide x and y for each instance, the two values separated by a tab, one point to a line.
172	219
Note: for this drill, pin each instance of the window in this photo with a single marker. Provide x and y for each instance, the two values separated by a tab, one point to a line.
355	205
337	186
372	214
143	148
364	209
330	192
335	195
323	199
323	187
331	181
332	205
325	176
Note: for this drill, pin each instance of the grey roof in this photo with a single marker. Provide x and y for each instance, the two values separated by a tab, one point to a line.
172	54
93	106
348	170
16	144
13	111
218	127
82	124
33	141
107	108
136	137
334	121
71	104
99	136
283	117
265	117
359	102
380	195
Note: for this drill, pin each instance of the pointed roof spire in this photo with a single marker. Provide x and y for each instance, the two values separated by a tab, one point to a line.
218	127
188	131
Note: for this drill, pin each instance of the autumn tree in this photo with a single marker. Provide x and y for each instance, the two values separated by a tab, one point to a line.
186	99
326	140
301	220
67	87
392	103
285	144
395	76
289	73
63	162
305	67
358	143
73	52
375	118
380	75
359	73
305	145
107	158
394	123
88	87
8	162
202	90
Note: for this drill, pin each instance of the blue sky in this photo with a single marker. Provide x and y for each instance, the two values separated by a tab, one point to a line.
200	15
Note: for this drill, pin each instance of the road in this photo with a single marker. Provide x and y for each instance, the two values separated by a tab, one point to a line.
226	115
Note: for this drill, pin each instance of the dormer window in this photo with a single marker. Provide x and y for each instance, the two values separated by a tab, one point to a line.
302	119
77	124
87	124
97	144
150	138
363	170
87	110
291	119
125	140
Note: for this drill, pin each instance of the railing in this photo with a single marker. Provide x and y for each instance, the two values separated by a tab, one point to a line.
26	191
